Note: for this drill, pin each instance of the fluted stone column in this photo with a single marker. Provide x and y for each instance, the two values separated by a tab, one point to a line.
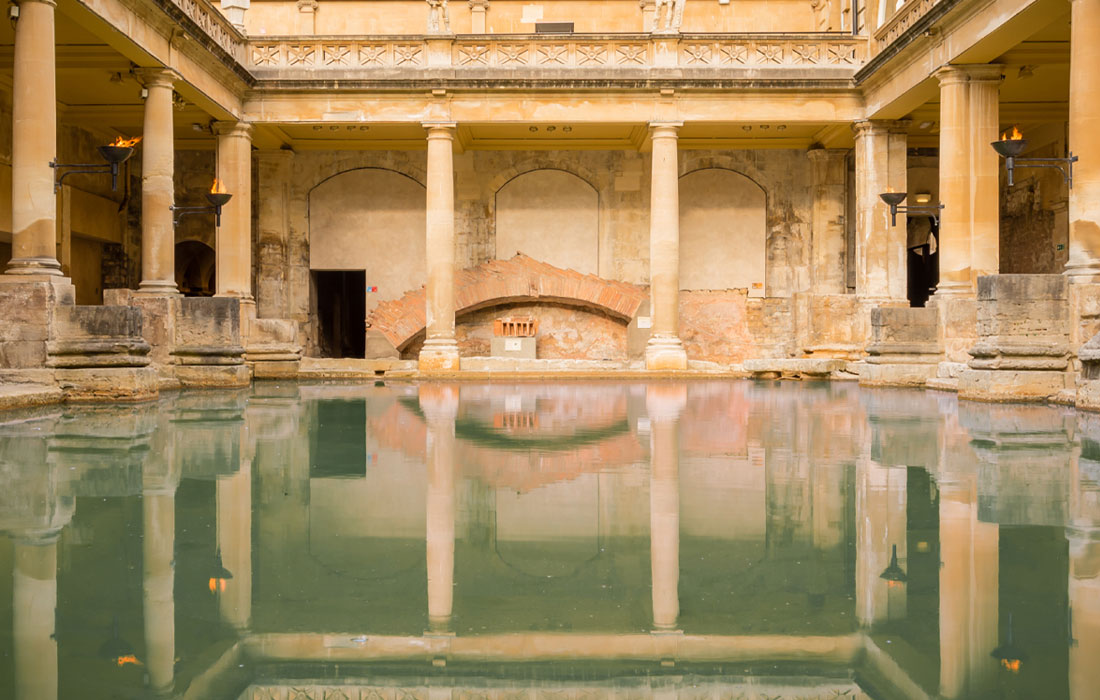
34	145
664	403
1084	140
881	160
440	405
234	239
34	612
158	236
969	238
440	350
830	175
665	351
969	575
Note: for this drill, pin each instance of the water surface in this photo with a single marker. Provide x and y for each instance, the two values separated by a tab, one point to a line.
550	541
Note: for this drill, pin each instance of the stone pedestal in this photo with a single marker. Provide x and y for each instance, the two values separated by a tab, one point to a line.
271	349
208	350
905	347
1023	339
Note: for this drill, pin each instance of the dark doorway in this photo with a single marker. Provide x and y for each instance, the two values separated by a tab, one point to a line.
196	265
341	311
338	440
923	260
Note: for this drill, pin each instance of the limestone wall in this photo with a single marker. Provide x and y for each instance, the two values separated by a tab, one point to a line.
747	215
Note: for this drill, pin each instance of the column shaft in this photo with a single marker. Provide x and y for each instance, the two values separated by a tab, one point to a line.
158	236
664	527
1084	141
881	160
830	174
985	186
440	351
34	145
158	587
34	611
234	513
665	350
234	240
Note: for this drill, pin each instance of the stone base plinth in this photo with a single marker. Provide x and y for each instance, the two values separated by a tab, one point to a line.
890	374
108	383
1010	385
212	376
665	355
1088	395
268	368
439	355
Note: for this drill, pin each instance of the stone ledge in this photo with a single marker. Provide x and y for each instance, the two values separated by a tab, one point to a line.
814	367
1010	385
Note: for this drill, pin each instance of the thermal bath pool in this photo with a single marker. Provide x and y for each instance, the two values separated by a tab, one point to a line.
550	541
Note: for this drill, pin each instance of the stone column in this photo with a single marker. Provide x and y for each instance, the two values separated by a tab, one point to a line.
34	145
969	236
969	567
881	159
34	612
478	10
1084	140
158	236
830	174
440	405
665	351
234	241
234	522
664	403
440	351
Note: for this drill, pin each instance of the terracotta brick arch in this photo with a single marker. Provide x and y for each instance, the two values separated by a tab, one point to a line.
518	279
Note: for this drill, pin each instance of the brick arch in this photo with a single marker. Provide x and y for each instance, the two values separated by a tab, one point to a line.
497	282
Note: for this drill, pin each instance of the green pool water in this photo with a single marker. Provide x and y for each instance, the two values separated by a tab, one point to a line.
550	541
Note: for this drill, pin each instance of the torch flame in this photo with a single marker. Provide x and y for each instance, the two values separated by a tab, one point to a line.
131	659
1014	135
1011	664
216	583
218	187
123	142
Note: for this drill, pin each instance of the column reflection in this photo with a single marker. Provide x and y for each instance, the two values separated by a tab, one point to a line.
439	402
664	403
1083	534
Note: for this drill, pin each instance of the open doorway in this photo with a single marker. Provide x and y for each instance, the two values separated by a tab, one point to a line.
340	297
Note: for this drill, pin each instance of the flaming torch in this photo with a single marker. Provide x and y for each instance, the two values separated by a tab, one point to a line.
1013	143
115	153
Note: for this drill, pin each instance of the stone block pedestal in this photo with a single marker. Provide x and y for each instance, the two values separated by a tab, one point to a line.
905	348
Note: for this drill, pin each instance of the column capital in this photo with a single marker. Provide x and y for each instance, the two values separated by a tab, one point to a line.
158	77
665	130
479	4
973	72
233	128
440	130
870	127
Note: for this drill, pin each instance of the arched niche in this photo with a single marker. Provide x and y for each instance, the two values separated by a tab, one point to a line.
373	220
196	265
551	216
723	231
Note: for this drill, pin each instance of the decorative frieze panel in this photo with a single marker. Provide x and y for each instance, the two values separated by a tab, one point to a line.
576	52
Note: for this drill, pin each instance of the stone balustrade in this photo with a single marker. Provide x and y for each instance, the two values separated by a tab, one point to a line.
906	16
212	23
397	56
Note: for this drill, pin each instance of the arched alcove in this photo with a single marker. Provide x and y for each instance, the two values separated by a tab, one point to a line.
723	231
196	268
551	216
373	220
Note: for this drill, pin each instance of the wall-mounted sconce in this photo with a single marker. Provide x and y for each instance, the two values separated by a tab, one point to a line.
116	649
1012	657
219	575
217	196
894	199
1013	143
115	154
894	574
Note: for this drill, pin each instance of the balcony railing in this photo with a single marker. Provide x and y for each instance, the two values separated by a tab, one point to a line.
392	56
903	18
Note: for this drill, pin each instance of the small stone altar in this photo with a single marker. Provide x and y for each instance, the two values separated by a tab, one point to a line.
514	337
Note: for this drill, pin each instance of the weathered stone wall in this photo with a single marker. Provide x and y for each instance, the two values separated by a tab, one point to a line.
620	180
1034	218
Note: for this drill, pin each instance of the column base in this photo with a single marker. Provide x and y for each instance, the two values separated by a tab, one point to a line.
439	355
1083	273
665	353
34	266
158	288
954	290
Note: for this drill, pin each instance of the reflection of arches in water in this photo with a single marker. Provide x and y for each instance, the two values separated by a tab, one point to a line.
376	559
196	265
538	547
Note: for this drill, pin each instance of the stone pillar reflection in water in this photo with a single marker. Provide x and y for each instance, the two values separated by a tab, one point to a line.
158	583
969	576
34	604
664	403
1084	141
1083	534
34	145
234	514
158	153
440	350
881	505
439	402
665	351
